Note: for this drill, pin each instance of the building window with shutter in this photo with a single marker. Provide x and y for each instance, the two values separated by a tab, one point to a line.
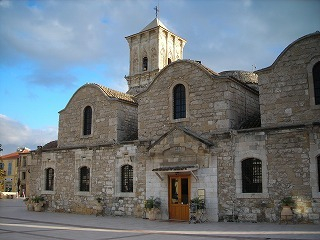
49	179
251	175
126	178
84	179
316	82
87	120
179	101
9	169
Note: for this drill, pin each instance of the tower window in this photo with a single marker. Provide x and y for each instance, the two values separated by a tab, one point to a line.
85	179
251	176
169	60
87	120
126	178
145	64
49	179
179	101
316	82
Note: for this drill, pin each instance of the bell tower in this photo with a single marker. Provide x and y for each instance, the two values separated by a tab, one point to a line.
153	48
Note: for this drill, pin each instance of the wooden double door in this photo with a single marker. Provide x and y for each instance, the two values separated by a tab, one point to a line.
179	197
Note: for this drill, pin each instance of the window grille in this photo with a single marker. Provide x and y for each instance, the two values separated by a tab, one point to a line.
145	64
316	82
251	176
84	179
49	179
87	120
126	178
179	101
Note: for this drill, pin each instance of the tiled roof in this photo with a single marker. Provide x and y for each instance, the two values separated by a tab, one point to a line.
14	154
115	94
251	122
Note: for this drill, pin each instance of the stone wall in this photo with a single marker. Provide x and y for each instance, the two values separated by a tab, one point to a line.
213	103
285	156
112	120
105	163
286	87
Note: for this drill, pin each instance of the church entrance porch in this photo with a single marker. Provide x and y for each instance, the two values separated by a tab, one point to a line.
179	197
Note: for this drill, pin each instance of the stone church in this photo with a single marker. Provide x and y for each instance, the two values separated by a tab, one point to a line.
241	140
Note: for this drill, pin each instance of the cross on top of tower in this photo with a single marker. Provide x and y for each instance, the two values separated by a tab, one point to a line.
157	10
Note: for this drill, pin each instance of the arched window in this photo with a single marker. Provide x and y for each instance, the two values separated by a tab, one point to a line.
49	179
84	179
251	175
87	120
179	101
316	82
169	60
126	178
145	64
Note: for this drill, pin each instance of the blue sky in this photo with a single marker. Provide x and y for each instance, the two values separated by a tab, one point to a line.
50	48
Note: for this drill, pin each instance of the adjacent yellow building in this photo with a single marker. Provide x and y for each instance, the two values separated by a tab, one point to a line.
11	178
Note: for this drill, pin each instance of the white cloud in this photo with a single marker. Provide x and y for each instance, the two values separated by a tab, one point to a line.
15	134
59	35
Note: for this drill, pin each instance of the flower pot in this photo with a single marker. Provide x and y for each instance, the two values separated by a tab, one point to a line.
38	207
99	210
286	213
152	213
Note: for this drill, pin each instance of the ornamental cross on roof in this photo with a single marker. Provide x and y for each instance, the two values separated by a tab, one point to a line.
157	10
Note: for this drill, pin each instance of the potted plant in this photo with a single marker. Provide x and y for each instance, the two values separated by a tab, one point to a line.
287	205
197	203
38	202
197	207
152	206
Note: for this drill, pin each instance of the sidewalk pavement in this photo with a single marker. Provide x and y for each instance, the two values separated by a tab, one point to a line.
16	223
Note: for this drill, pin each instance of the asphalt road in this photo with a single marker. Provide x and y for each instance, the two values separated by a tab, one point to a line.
16	223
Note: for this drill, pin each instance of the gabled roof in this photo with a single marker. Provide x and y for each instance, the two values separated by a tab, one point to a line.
317	34
111	94
209	72
115	94
186	131
155	23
